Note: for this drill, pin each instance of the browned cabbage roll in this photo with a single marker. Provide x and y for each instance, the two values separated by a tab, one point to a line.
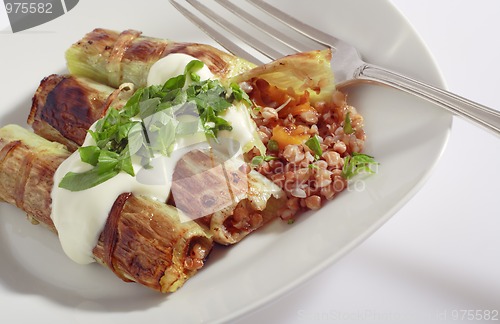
113	58
166	252
225	196
64	107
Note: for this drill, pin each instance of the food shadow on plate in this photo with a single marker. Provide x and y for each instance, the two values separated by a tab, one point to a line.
34	264
221	252
17	114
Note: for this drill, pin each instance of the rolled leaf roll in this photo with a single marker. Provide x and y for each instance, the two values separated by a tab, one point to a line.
113	58
64	107
27	165
143	241
224	195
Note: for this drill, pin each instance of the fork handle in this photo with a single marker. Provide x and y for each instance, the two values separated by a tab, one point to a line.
481	115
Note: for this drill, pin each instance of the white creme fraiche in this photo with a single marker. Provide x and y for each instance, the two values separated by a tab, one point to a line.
80	217
173	65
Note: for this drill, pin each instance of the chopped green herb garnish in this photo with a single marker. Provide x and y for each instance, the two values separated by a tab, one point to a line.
273	146
313	166
347	124
356	164
148	125
259	159
315	146
82	181
191	69
89	154
239	94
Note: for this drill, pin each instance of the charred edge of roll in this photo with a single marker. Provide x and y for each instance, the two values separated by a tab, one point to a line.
110	233
64	107
113	58
244	219
27	166
144	241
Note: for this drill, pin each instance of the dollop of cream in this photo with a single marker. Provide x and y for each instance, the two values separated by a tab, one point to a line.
173	65
80	217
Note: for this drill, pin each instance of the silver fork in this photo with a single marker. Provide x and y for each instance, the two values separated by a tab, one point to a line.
348	65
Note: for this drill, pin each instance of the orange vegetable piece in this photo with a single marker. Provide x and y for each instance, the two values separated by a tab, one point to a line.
285	136
295	110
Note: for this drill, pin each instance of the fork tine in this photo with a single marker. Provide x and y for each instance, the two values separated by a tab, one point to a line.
306	30
269	30
238	32
215	35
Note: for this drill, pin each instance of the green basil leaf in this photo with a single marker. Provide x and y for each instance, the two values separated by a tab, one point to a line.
239	94
89	154
259	159
107	160
123	131
148	107
356	164
125	163
173	98
135	139
193	66
315	146
81	181
175	83
165	139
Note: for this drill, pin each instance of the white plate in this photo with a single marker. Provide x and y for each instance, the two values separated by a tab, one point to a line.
406	135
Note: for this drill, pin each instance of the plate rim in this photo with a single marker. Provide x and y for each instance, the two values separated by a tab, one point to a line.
332	259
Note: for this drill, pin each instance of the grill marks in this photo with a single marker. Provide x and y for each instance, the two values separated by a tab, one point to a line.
205	182
130	48
67	109
117	53
140	244
4	154
100	39
64	107
23	173
216	61
110	233
26	174
144	49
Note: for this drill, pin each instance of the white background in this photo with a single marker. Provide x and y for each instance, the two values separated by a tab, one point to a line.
441	252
